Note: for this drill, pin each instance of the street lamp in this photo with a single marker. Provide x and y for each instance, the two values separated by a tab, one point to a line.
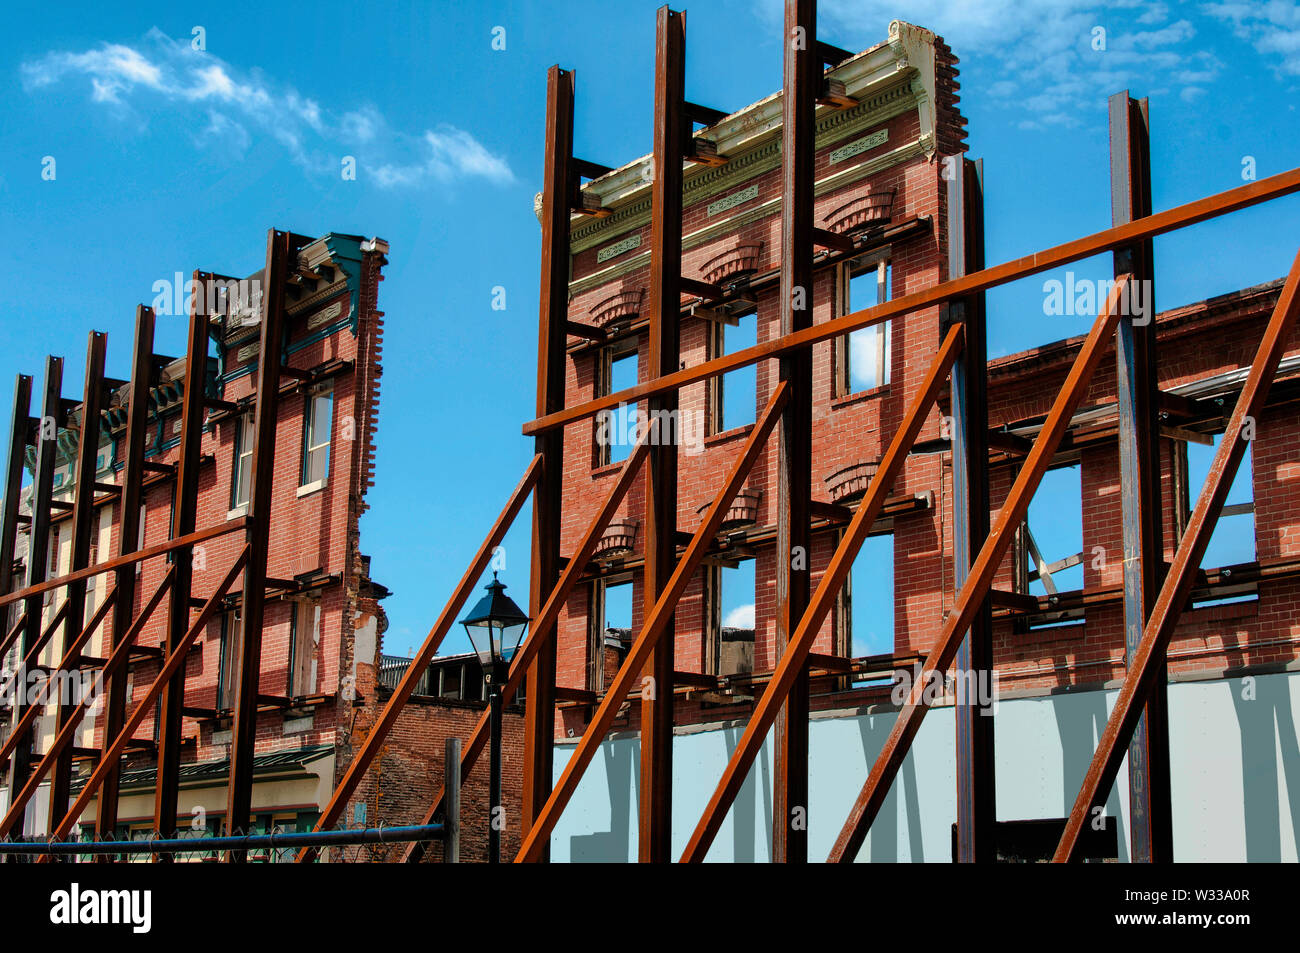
495	627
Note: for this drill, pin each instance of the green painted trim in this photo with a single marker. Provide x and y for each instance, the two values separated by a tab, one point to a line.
900	98
919	146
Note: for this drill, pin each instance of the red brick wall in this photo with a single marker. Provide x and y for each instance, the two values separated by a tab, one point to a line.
315	532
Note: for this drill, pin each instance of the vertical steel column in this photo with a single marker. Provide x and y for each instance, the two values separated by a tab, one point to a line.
661	469
128	521
244	734
451	811
976	803
184	514
1150	821
19	430
548	494
38	544
84	521
802	68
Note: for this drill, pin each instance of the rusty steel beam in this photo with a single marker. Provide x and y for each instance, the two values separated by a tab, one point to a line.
1245	196
38	544
1151	832
173	663
19	427
1145	665
117	562
30	657
663	346
73	648
128	528
639	654
542	626
239	796
969	597
83	522
801	84
976	787
12	635
794	659
548	495
184	514
415	671
67	732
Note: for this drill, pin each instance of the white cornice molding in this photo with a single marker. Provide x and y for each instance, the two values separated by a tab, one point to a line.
909	52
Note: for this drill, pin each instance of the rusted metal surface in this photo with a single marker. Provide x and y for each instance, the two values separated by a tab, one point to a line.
19	428
67	733
559	182
794	660
802	83
542	626
662	356
184	517
1151	833
638	655
38	545
128	527
406	687
118	562
83	521
1245	196
1144	665
174	662
280	252
972	592
976	792
74	647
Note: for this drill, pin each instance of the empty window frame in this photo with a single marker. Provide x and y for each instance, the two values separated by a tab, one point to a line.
862	357
317	427
865	608
729	610
733	396
1051	542
616	369
304	640
242	476
232	629
609	629
1233	540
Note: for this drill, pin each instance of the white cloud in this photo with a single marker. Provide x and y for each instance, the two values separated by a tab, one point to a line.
168	74
741	617
1037	56
451	153
1273	28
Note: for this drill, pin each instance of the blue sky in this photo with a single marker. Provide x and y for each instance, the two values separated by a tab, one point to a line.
168	158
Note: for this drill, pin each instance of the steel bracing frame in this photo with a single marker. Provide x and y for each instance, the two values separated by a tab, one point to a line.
27	768
1153	598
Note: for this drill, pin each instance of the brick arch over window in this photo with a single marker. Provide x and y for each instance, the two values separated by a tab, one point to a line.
850	482
738	260
622	306
872	209
743	510
618	540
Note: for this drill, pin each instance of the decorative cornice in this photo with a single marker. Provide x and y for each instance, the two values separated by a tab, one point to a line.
922	145
896	99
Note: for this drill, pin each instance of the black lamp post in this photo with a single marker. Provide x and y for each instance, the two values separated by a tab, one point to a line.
495	627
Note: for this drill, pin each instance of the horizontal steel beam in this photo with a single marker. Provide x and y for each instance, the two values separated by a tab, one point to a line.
415	671
1244	196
